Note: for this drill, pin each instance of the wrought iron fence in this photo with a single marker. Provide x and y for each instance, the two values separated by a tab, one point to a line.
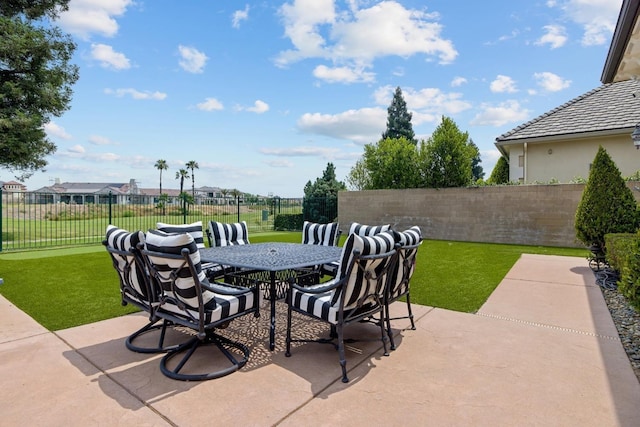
32	220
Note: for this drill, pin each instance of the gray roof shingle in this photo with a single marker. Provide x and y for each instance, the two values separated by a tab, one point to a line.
609	107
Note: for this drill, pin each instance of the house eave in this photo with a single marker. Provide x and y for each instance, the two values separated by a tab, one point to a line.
565	137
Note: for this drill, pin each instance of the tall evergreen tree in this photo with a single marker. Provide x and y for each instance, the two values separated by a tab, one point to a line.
399	119
476	169
35	81
321	197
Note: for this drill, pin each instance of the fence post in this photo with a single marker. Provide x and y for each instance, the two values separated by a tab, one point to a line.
110	219
1	214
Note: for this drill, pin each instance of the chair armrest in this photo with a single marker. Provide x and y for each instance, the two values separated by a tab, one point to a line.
225	289
318	289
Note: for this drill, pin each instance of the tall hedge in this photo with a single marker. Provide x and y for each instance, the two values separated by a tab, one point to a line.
607	204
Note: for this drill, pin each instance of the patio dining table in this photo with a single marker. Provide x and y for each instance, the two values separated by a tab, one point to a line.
278	260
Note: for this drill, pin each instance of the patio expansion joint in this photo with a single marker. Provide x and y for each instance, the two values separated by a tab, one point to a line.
554	327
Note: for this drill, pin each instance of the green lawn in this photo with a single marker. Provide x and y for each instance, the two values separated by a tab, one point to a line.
70	287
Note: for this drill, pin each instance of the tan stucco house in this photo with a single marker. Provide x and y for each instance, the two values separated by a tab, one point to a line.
561	144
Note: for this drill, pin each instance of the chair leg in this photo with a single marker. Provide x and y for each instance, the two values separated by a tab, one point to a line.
343	359
287	352
149	328
383	332
387	318
413	325
212	339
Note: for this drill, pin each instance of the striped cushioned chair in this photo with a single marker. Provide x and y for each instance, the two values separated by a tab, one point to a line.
190	300
322	234
212	270
368	230
227	234
135	287
398	284
355	294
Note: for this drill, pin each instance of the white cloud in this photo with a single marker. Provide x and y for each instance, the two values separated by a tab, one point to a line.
100	140
210	104
280	163
458	81
499	115
342	74
259	107
361	126
86	17
193	61
503	84
551	82
555	36
360	35
109	58
135	94
597	17
304	151
426	104
239	16
77	149
53	129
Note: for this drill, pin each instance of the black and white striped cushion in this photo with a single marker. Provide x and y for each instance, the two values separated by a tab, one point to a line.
123	240
170	243
399	280
326	305
319	234
368	230
194	229
228	234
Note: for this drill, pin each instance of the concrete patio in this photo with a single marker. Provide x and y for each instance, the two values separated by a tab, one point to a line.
543	350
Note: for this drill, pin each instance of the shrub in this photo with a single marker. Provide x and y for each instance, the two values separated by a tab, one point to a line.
607	204
629	284
500	173
620	247
288	222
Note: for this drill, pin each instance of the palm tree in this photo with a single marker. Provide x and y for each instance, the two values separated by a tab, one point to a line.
182	174
193	165
161	165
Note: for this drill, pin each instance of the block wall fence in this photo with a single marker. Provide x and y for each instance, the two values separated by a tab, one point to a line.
538	215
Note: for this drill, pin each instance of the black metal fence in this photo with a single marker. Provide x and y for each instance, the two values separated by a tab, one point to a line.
32	220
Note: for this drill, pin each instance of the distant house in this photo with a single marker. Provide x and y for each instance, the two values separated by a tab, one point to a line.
87	192
13	186
561	144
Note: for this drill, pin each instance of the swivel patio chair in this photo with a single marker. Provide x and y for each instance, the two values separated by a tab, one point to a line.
355	294
135	287
190	300
398	284
322	234
212	270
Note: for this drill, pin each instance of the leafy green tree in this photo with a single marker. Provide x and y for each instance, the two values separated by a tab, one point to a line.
392	163
193	165
321	197
446	157
399	119
358	178
607	204
35	81
500	173
477	173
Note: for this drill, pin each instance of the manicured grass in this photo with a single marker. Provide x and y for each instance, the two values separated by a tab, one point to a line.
70	287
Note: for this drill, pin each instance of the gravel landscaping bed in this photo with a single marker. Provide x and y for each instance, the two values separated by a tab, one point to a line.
626	319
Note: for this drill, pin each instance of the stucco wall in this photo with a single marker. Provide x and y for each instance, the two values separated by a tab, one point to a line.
564	160
541	215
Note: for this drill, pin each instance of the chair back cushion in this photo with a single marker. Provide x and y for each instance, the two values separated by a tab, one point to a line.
173	273
320	234
228	234
364	282
400	276
368	230
194	229
130	271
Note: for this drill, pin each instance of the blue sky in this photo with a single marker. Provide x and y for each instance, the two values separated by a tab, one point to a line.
264	94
